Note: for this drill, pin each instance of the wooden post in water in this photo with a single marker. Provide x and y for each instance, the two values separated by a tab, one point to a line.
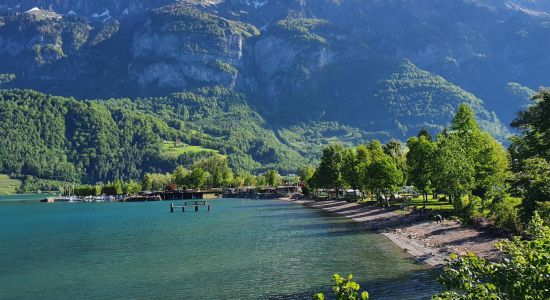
209	207
183	209
196	208
171	207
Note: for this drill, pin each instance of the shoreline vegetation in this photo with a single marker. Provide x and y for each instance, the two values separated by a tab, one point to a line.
483	184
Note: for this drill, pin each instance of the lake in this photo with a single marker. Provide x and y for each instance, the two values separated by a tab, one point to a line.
243	249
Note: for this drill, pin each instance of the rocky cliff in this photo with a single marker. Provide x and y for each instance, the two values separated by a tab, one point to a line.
386	67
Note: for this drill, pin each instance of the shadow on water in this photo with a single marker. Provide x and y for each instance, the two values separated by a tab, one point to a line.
293	215
325	225
412	285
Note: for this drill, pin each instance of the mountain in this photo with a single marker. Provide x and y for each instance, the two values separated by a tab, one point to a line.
351	69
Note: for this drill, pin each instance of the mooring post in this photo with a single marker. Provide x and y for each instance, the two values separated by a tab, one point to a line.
183	209
171	207
209	207
196	208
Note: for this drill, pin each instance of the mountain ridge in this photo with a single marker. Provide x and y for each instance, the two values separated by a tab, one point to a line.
378	69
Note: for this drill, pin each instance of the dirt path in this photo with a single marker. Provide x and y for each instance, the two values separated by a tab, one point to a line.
427	241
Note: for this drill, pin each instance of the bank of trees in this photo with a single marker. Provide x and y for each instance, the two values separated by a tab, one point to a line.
465	164
205	173
461	161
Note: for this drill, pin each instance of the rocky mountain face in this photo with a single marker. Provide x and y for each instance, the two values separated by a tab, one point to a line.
383	67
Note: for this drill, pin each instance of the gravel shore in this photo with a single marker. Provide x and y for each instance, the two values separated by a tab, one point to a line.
426	240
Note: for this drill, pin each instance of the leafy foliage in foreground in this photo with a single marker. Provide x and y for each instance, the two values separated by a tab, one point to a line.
522	273
345	289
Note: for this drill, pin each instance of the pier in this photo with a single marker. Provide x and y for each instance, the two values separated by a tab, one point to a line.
191	204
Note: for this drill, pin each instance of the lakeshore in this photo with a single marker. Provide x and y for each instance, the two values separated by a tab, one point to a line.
427	241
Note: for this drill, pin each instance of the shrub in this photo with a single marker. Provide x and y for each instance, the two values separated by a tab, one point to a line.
345	289
506	215
468	209
522	273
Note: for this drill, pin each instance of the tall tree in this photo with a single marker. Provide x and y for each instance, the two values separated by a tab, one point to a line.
198	178
454	173
217	167
329	173
306	176
350	169
420	162
530	151
425	133
180	176
490	161
396	150
383	176
272	178
534	125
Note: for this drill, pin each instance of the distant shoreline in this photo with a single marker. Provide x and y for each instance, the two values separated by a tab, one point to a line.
427	241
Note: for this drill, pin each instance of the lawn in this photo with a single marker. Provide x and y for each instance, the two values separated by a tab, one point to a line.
432	203
8	185
171	150
417	202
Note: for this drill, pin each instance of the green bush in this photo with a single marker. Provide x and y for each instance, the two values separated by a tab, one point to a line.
522	273
345	289
506	215
468	209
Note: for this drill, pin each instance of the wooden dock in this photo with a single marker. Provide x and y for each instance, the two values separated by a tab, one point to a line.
191	204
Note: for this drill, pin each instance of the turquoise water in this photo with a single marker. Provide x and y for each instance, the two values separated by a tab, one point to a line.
243	249
24	197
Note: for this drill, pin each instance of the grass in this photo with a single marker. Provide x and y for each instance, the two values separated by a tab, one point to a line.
417	202
432	203
171	150
8	185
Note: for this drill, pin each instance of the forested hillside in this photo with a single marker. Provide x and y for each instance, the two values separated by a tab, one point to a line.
64	139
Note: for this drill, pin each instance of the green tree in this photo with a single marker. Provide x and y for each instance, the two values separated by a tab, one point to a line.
492	168
118	187
488	157
329	173
534	126
180	176
350	169
420	162
398	153
530	152
218	169
261	180
454	173
133	187
272	178
198	178
306	173
147	182
383	176
425	133
534	183
238	181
